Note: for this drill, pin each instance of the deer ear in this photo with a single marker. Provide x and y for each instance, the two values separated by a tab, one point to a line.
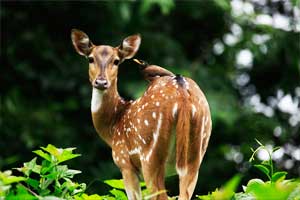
129	46
81	42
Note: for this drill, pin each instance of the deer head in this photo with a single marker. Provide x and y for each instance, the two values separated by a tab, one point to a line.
104	60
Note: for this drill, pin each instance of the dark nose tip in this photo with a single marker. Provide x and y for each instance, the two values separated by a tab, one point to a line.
101	83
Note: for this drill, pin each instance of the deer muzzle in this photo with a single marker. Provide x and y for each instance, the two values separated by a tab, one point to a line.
101	83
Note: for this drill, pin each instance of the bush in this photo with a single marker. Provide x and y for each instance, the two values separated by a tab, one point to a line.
276	188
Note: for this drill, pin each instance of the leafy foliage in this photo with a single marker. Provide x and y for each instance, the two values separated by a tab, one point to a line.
50	180
256	189
45	180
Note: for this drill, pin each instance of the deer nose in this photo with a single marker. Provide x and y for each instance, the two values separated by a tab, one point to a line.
101	83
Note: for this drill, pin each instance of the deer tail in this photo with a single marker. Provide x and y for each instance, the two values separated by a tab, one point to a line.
183	127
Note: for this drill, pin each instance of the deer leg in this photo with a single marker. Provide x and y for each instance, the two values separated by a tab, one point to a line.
187	184
154	177
188	175
132	185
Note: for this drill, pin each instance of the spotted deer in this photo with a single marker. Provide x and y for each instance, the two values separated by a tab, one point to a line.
166	129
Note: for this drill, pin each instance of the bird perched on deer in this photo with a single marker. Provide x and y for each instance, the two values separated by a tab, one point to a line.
169	126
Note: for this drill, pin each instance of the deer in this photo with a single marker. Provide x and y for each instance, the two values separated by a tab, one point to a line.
166	129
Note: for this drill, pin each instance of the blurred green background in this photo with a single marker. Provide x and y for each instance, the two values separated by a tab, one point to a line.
245	55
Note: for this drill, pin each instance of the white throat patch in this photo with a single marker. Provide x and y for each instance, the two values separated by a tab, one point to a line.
96	100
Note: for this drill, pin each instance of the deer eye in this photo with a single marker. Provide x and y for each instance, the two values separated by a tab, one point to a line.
91	59
116	62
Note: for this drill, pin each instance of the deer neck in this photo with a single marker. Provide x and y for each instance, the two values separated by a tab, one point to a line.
106	108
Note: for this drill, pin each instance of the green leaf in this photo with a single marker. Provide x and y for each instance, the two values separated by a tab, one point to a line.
33	183
29	167
253	184
64	172
267	190
226	192
93	197
66	155
51	149
52	198
230	187
44	183
71	172
21	193
115	183
278	176
118	194
43	155
46	166
264	169
244	196
59	154
6	178
52	176
204	197
295	194
265	162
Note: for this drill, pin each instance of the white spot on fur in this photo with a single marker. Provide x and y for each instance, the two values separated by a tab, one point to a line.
157	103
146	122
201	133
138	120
193	110
136	150
174	110
96	103
140	137
206	120
156	133
202	125
152	96
123	161
181	171
155	136
154	115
